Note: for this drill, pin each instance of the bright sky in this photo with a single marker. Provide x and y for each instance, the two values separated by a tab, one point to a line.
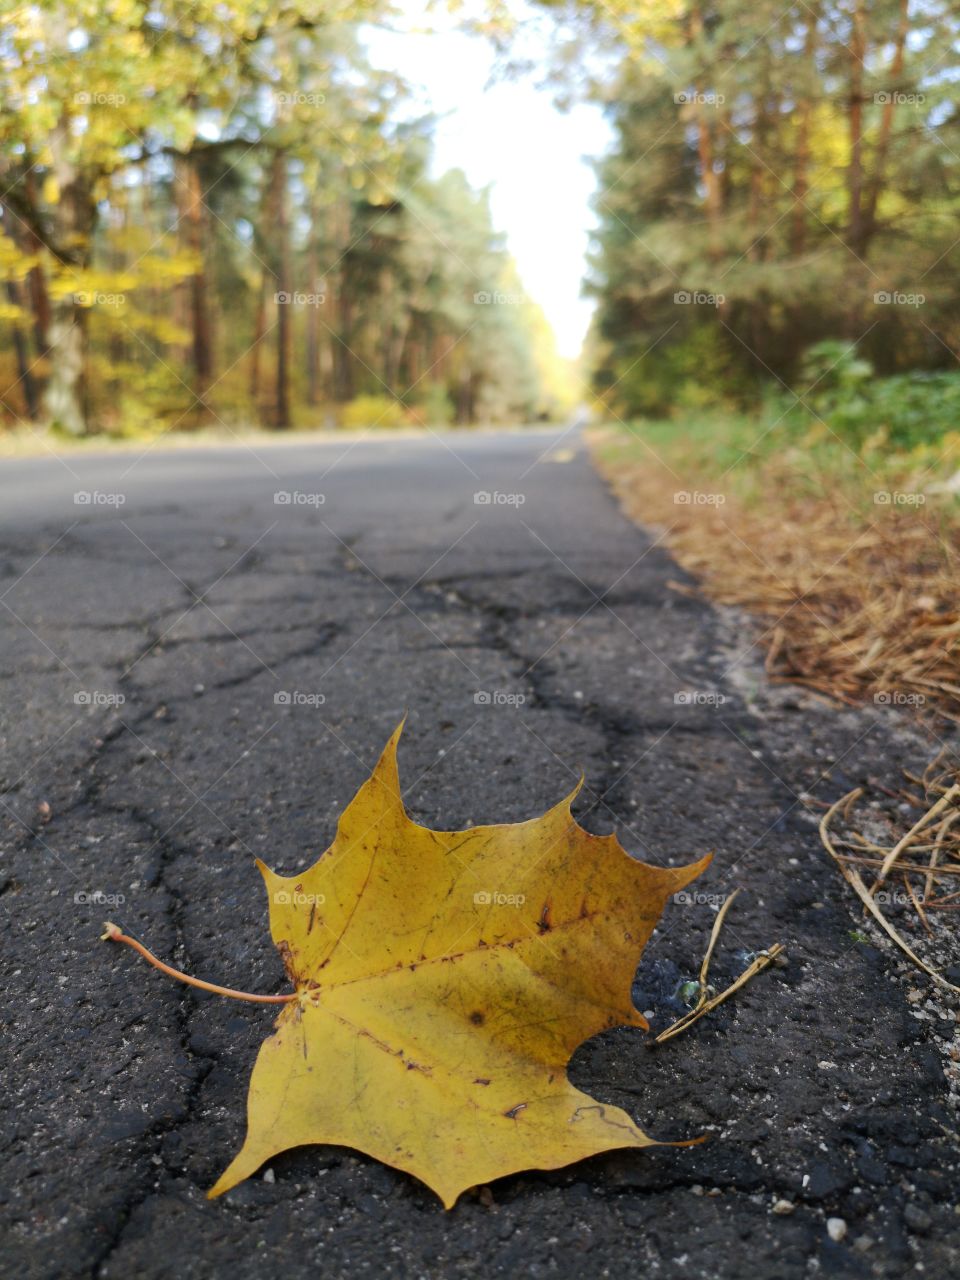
510	136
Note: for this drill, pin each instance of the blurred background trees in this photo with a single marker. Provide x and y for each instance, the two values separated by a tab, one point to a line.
782	175
222	212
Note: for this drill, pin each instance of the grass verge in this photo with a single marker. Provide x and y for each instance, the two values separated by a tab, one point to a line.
849	555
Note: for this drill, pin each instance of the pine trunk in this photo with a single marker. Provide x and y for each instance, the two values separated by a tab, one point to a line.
72	223
857	49
65	399
281	417
193	216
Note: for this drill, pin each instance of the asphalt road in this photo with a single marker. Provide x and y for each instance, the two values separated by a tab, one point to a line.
201	598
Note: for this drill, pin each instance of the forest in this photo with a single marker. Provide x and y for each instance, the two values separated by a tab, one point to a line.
223	212
780	211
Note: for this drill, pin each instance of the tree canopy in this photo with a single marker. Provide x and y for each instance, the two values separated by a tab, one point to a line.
780	175
222	211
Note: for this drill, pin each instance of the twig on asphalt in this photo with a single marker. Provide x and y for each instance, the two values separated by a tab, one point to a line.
706	1002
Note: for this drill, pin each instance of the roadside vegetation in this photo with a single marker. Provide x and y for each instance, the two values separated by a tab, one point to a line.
776	342
839	526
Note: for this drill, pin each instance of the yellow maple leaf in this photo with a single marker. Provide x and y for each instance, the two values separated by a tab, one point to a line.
443	980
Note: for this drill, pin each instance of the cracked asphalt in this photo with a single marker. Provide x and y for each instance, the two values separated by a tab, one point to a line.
263	651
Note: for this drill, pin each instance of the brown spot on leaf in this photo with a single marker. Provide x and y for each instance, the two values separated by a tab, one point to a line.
286	955
477	1018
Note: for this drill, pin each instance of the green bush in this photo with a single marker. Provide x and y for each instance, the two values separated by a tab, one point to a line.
693	370
903	411
434	407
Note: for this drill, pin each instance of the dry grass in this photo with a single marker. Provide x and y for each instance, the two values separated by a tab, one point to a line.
858	601
918	868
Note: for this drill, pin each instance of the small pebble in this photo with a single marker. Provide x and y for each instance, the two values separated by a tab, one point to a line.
836	1229
269	1176
783	1206
916	1219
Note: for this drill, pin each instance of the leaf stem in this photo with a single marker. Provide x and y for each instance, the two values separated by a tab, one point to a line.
115	934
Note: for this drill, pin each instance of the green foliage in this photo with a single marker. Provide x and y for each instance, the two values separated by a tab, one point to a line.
861	435
906	411
433	406
799	186
917	409
694	371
